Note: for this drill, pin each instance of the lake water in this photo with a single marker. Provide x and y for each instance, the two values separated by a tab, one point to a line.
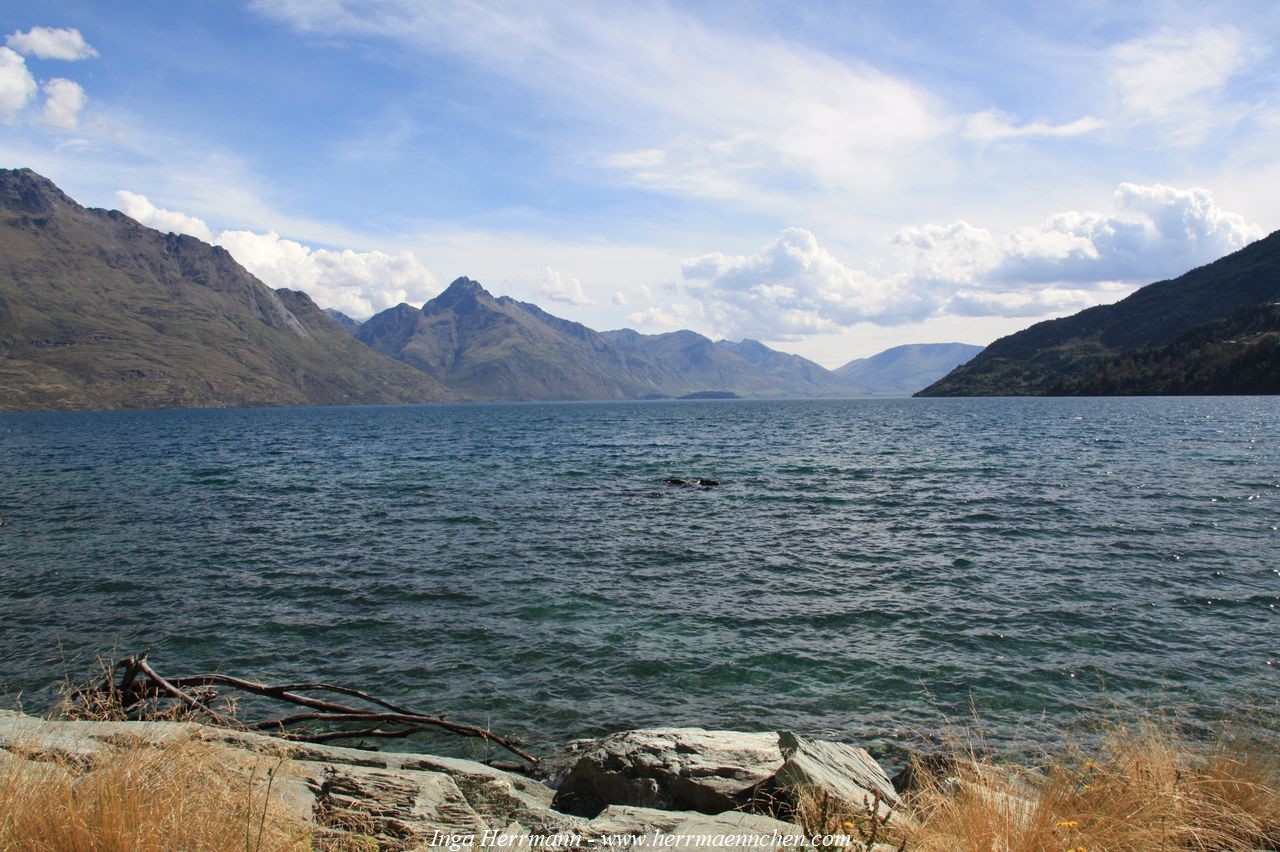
866	569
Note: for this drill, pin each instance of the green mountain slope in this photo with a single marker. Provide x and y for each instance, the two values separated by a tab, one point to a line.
98	311
1239	354
1049	356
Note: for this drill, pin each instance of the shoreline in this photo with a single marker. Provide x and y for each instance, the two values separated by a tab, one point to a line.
651	788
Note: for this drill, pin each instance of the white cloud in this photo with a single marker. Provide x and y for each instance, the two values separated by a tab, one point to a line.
793	286
996	126
51	43
63	100
357	283
1155	232
139	207
1178	79
560	289
957	253
620	298
17	86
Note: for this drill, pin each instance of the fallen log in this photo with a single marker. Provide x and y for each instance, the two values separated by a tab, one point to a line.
133	689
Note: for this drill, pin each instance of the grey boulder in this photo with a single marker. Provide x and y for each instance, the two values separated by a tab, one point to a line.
665	768
844	772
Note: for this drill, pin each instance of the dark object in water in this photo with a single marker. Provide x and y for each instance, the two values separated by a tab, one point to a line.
689	483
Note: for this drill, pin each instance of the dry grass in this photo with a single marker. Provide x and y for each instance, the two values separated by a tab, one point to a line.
140	797
1146	788
823	815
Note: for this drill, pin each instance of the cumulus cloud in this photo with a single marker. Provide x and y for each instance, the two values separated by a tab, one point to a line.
139	207
793	286
51	43
560	289
357	283
620	298
995	126
17	86
1154	232
63	100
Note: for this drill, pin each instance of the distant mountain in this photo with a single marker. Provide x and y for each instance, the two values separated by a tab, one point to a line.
683	362
795	370
903	370
343	320
486	347
1063	355
98	311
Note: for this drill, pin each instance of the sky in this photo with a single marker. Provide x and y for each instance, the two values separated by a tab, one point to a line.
832	178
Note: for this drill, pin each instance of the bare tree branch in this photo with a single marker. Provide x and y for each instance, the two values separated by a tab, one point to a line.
141	690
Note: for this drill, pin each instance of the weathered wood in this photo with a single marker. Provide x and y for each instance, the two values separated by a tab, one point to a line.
141	688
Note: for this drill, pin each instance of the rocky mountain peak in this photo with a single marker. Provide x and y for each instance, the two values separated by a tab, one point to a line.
461	295
25	191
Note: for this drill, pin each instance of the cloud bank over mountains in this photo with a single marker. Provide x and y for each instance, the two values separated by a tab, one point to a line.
357	283
793	286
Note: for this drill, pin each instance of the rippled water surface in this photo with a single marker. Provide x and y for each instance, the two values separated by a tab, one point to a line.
865	568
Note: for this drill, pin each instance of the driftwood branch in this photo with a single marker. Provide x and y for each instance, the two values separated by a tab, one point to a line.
143	693
145	668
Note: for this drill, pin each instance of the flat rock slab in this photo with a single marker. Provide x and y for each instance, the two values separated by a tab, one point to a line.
669	781
403	799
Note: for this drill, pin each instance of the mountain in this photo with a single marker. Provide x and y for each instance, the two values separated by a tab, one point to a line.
903	370
486	347
1058	355
795	370
489	348
1239	354
98	311
343	320
684	362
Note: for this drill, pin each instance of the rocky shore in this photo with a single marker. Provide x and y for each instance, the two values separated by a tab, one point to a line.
671	787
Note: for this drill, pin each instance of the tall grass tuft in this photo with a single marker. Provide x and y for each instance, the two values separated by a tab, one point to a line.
139	796
1147	786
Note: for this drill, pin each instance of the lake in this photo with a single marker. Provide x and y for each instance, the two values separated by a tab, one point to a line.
865	569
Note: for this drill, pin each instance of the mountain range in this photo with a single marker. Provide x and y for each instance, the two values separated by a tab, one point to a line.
1213	330
99	311
488	347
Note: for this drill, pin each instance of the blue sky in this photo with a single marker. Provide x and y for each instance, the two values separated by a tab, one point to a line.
831	178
